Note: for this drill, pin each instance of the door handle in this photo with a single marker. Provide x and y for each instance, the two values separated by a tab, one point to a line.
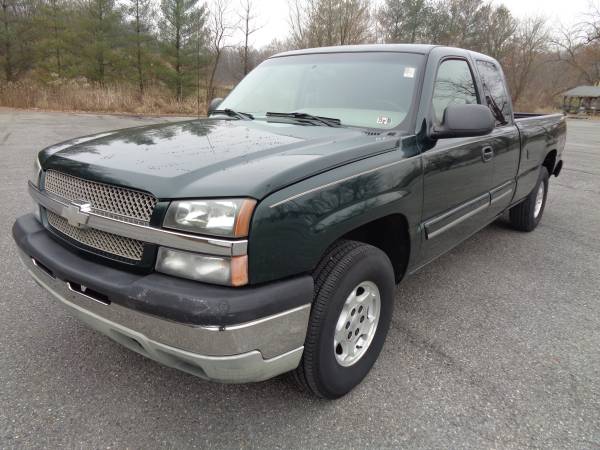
487	153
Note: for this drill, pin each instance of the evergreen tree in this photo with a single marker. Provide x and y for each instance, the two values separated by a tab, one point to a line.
8	37
405	21
52	46
182	27
100	35
140	14
17	36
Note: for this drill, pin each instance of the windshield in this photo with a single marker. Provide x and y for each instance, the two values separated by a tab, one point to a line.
373	90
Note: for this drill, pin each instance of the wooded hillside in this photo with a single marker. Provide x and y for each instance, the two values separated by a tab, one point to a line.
170	56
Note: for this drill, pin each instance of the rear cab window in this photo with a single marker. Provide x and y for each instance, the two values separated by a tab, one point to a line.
494	90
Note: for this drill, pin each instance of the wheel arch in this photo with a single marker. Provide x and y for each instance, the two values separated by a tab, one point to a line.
550	161
292	230
390	234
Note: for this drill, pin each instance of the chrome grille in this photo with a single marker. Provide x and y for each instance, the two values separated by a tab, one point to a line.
105	242
110	201
105	200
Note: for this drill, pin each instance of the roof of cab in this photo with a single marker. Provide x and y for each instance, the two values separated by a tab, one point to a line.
421	49
399	48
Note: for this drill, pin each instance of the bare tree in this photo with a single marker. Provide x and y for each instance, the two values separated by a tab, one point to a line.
219	30
572	46
318	23
296	20
248	27
529	44
592	23
473	24
498	29
354	26
459	21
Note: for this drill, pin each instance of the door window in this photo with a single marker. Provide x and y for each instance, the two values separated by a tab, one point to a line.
495	91
454	85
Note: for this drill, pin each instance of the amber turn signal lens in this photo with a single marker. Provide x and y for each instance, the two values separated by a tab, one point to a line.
239	270
242	223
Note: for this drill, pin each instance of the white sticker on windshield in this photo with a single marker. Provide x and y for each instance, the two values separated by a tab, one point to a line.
409	72
382	120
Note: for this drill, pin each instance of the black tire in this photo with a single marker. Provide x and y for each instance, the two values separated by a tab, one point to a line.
522	216
346	265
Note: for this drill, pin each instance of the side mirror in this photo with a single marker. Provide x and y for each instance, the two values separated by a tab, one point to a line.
464	121
214	104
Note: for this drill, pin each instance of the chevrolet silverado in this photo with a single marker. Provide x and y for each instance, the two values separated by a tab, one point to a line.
269	237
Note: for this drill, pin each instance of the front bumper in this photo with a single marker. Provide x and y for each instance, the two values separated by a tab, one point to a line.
251	350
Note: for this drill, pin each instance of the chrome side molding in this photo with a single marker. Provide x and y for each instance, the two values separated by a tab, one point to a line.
438	225
502	191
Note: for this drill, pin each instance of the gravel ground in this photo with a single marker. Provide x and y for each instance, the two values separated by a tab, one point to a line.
494	345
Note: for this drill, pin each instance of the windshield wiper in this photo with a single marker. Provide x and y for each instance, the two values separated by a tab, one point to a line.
304	117
232	113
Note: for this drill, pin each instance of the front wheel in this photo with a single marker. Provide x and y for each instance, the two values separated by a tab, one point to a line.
350	318
527	215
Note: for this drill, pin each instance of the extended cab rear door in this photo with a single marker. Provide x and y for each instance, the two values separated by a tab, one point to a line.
504	140
458	174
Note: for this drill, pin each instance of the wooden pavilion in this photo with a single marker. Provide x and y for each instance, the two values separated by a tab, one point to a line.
582	99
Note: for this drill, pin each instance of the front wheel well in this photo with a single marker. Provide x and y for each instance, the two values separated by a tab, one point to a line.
389	234
550	161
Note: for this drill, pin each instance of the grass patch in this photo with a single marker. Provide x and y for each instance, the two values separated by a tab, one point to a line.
81	95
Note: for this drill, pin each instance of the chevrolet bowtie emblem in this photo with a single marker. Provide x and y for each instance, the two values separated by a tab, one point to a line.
77	214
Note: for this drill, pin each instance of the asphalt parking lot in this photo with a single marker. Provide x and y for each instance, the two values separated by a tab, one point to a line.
495	345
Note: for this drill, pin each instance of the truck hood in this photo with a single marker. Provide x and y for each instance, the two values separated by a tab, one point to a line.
213	158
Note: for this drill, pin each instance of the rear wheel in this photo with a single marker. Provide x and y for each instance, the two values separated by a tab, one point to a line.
527	215
350	317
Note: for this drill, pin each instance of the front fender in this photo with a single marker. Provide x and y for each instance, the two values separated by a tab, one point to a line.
292	228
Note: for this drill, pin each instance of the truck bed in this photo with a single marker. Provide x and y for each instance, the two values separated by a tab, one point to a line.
522	115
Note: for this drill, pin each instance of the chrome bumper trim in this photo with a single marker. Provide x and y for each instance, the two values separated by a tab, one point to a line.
158	236
252	351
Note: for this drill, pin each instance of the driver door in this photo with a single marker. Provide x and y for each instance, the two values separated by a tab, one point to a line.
458	173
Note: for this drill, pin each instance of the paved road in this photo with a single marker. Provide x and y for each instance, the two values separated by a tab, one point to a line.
495	345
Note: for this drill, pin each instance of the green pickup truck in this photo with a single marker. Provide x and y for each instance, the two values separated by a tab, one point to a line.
269	237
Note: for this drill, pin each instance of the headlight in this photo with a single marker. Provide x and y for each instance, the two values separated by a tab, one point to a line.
36	171
209	269
227	217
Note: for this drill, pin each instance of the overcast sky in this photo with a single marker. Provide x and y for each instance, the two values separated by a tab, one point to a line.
273	14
